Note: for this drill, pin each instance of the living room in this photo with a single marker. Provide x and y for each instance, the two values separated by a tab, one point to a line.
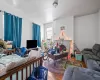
83	30
73	24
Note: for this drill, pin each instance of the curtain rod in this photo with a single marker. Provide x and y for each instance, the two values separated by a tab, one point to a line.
9	13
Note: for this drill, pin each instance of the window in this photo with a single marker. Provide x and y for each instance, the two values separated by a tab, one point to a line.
49	32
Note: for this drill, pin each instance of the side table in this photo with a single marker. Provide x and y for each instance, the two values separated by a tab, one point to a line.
57	56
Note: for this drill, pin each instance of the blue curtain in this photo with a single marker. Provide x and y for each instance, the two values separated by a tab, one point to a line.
12	29
37	34
8	27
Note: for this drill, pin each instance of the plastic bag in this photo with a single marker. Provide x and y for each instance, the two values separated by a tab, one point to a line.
39	73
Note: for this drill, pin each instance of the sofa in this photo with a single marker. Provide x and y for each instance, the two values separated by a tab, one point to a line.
92	60
77	73
92	57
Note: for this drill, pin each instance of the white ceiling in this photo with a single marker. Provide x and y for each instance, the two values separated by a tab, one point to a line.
44	11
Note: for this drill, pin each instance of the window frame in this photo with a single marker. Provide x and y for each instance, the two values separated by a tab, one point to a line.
51	33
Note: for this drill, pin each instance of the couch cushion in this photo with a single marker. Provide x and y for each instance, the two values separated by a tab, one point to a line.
98	54
90	56
86	57
76	73
68	73
96	48
86	52
94	65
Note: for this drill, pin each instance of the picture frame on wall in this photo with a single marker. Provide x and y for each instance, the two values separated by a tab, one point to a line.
62	28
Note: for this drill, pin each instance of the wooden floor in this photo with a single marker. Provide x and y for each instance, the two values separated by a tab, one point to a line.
82	62
53	76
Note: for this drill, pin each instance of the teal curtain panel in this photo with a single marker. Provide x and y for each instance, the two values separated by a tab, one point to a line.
37	34
12	29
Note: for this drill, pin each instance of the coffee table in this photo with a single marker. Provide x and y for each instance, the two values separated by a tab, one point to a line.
58	56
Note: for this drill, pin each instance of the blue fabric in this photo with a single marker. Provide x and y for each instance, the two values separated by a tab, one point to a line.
37	34
94	65
8	26
12	29
77	73
18	53
32	78
42	73
39	73
21	52
52	51
17	31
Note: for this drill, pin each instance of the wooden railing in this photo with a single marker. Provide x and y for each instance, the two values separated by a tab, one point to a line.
37	62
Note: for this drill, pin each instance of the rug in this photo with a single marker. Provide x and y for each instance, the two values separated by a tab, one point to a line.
60	66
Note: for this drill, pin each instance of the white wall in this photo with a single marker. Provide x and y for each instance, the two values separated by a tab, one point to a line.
42	32
57	24
26	32
1	26
68	22
86	31
99	27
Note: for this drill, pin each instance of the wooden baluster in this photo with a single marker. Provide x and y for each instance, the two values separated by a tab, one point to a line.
22	74
33	67
26	72
30	69
41	62
17	76
11	77
36	64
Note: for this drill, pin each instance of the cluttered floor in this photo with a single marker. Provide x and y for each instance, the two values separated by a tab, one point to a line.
53	75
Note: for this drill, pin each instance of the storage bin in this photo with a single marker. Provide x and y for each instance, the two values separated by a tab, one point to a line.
78	57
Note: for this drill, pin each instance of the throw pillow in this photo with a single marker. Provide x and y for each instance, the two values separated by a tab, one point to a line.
23	51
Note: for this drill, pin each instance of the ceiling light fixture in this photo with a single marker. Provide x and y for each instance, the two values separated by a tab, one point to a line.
55	3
